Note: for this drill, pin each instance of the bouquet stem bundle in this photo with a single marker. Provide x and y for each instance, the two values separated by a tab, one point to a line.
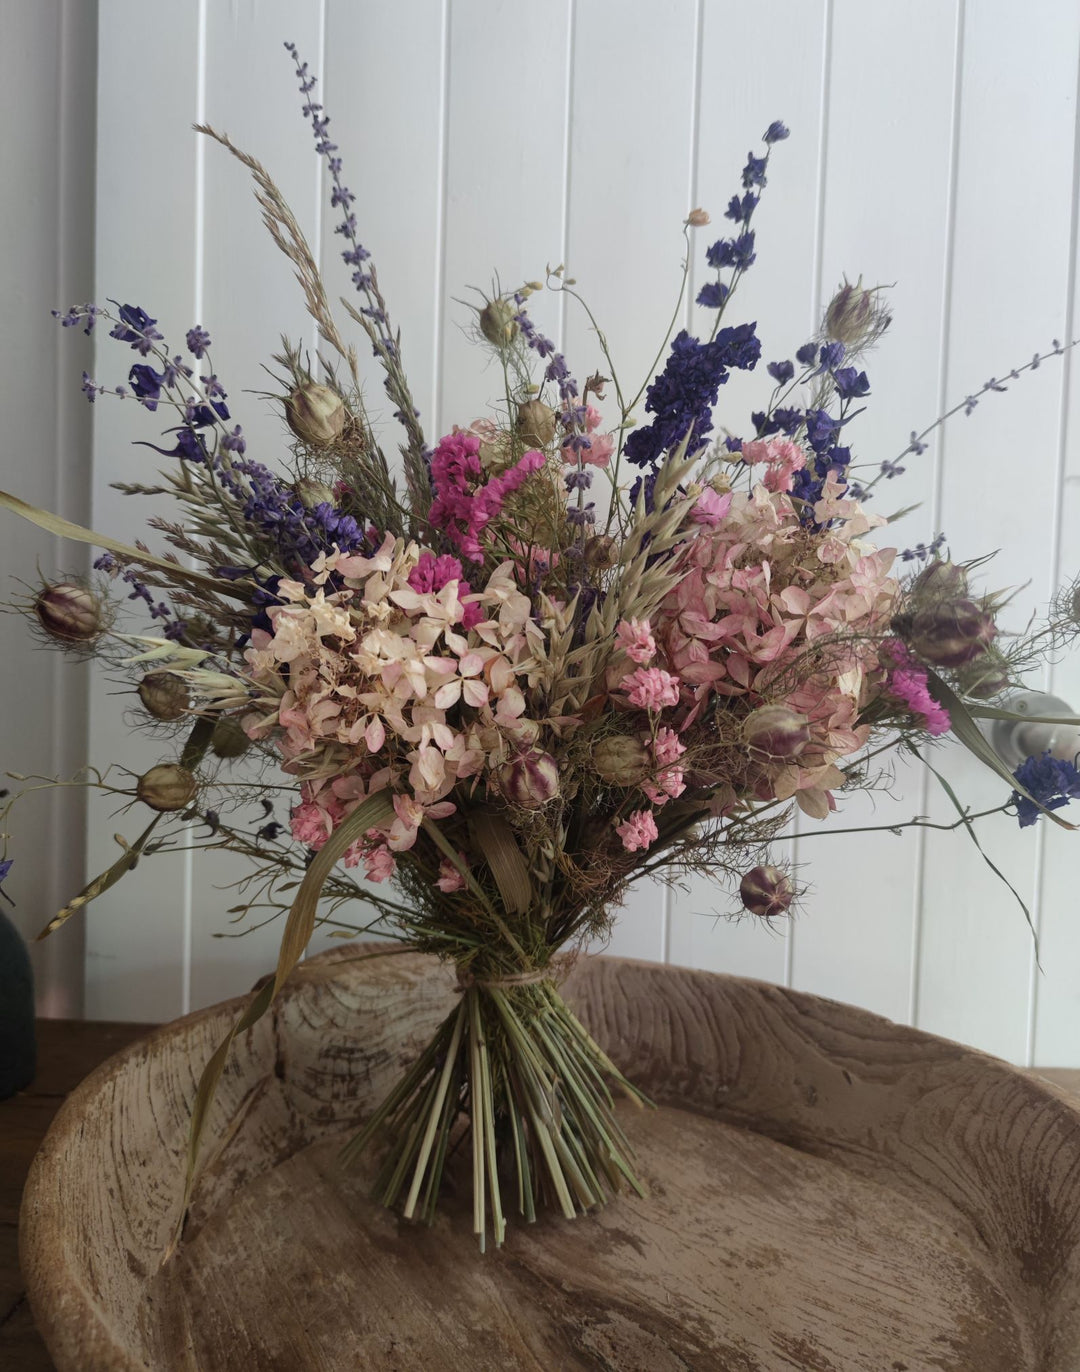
514	1062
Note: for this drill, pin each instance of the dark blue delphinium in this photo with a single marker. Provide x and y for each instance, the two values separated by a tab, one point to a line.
135	326
5	867
1052	782
683	395
781	372
850	384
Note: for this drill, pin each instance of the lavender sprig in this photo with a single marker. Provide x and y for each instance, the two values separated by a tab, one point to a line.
373	315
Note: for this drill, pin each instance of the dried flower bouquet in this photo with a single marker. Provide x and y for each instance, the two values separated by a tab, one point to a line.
553	654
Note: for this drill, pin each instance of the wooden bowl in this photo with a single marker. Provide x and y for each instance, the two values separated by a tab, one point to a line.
827	1192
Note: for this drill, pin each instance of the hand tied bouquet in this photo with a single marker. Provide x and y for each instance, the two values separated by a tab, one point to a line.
554	654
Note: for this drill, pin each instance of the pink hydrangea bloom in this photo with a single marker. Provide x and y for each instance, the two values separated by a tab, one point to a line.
710	508
432	573
635	639
651	688
639	831
310	824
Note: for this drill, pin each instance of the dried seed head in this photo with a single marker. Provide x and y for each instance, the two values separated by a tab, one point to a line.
953	633
68	612
941	579
313	493
855	316
530	780
601	552
536	423
164	695
167	787
621	760
315	414
697	219
986	677
497	322
228	739
767	891
775	733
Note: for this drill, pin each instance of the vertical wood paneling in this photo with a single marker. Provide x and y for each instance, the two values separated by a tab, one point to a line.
47	168
856	940
1054	1014
488	137
778	294
1007	299
249	298
145	225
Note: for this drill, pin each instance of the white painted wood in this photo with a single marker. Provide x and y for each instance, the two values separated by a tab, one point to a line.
137	935
779	294
487	137
858	935
1007	296
46	166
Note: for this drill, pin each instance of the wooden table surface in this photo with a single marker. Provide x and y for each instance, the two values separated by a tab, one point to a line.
67	1051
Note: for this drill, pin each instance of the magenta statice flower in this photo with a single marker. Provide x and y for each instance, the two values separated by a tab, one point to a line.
463	507
908	682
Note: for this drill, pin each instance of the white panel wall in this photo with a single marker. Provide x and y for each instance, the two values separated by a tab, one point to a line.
46	233
933	145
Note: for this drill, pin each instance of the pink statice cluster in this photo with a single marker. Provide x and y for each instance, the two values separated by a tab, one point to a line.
465	504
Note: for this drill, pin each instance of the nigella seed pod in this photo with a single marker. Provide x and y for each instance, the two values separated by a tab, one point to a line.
69	612
315	414
986	677
228	739
166	787
854	316
941	579
767	891
600	552
530	780
164	695
621	760
775	733
952	634
313	493
497	322
536	423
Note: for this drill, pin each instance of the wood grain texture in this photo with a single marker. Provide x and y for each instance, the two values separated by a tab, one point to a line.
827	1192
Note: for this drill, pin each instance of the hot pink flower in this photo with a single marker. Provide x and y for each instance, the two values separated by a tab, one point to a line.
463	507
636	640
639	831
909	683
651	688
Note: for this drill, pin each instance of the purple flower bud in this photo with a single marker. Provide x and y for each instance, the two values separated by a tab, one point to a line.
69	612
952	634
767	891
530	779
775	733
